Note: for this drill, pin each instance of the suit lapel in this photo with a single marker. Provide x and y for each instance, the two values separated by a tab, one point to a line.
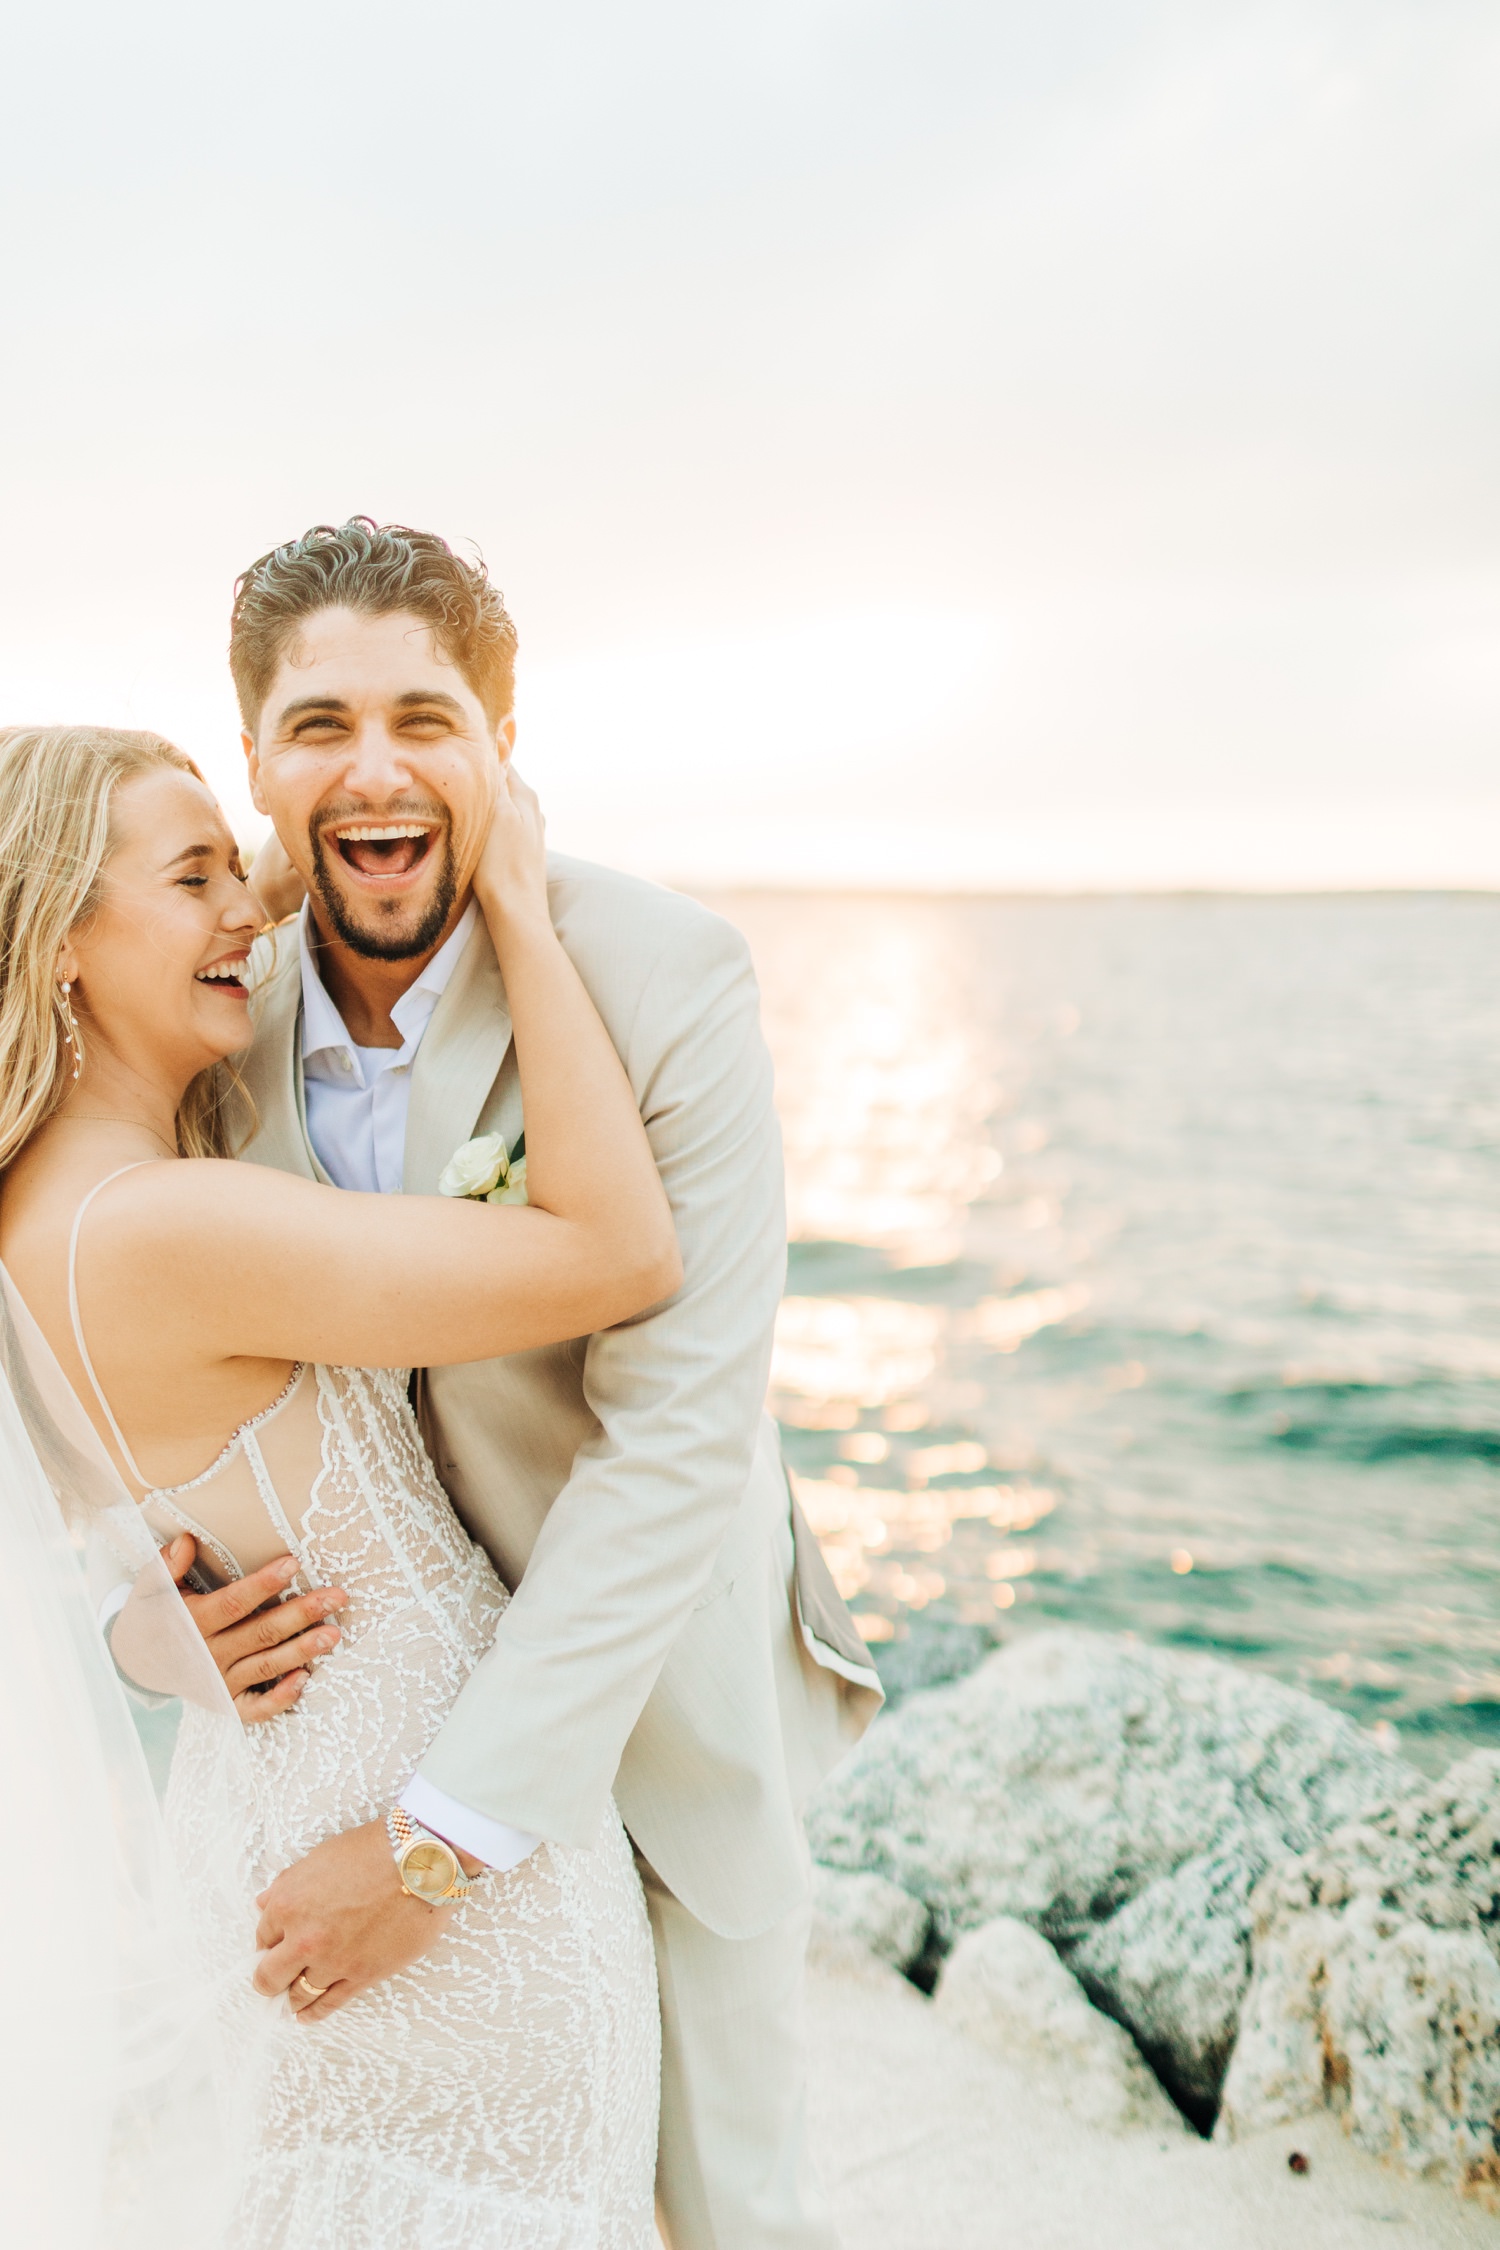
456	1064
272	1070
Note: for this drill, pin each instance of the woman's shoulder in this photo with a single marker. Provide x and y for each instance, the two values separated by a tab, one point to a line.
202	1204
135	1227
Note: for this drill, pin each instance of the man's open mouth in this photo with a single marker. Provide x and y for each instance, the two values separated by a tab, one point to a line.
392	848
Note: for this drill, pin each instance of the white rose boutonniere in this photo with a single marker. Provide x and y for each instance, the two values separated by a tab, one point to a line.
483	1172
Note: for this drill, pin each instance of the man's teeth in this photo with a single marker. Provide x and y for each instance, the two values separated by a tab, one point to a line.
380	835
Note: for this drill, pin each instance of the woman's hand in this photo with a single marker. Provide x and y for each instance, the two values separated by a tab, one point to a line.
510	881
274	880
264	1647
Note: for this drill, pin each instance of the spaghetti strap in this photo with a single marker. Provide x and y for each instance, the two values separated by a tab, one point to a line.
83	1351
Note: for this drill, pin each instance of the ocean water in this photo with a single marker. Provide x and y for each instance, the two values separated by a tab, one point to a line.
1146	1274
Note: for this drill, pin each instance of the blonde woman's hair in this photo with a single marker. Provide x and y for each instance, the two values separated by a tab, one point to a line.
57	786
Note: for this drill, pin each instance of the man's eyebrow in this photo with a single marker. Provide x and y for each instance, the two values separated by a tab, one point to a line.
306	703
414	696
411	700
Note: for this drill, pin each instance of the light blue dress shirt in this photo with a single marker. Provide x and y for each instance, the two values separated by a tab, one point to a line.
357	1100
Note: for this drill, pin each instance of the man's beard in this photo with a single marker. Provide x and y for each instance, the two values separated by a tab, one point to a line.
371	943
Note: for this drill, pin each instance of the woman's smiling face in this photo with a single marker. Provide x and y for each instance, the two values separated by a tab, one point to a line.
158	968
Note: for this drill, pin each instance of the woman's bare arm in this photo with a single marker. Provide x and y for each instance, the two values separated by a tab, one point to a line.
244	1261
247	1262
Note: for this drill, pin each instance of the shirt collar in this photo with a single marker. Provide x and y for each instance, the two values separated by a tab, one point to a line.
324	1028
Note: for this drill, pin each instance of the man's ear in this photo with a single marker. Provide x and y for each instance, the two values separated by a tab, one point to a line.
252	761
505	737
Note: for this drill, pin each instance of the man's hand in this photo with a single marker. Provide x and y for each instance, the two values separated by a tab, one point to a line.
341	1919
256	1639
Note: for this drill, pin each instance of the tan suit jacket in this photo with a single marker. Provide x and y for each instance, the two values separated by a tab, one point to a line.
629	1485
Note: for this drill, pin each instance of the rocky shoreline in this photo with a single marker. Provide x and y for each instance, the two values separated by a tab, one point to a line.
1184	1897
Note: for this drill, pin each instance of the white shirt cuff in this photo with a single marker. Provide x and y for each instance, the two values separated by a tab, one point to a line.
493	1841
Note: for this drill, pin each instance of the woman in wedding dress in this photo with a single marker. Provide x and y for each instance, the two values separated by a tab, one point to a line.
239	1340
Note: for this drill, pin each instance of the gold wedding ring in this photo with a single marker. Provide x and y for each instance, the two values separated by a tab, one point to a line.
313	1991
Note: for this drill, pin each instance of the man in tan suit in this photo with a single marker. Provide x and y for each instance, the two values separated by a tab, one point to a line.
674	1637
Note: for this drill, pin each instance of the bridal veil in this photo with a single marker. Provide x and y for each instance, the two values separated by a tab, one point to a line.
121	2119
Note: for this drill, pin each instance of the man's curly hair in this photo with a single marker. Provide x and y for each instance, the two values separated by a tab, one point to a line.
377	568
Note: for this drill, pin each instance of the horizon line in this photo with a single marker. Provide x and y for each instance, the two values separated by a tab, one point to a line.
1083	892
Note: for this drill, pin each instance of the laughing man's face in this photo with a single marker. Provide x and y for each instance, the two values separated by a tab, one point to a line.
376	762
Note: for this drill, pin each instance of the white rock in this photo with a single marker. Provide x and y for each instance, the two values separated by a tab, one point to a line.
879	1915
1072	1773
1376	1985
1004	1987
1175	1963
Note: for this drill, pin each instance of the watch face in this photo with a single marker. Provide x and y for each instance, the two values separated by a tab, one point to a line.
429	1868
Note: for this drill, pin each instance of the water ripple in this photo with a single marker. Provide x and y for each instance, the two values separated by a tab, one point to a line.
1146	1272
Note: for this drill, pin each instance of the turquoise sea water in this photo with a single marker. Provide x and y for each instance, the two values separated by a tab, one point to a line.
1146	1273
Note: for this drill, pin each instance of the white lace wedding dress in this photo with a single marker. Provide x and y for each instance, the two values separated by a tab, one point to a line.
501	2093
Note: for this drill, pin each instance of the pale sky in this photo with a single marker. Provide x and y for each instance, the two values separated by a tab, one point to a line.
921	441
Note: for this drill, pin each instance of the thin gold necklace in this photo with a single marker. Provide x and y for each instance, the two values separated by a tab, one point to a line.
92	1117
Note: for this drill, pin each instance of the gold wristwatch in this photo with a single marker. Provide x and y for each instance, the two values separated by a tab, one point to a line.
428	1868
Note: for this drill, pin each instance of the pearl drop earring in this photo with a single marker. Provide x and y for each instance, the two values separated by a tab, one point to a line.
70	1026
